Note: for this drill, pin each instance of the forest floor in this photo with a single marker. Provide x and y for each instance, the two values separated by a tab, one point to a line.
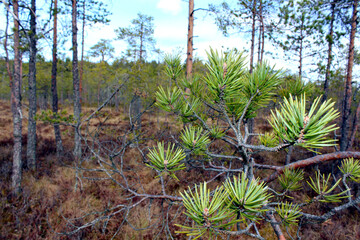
48	198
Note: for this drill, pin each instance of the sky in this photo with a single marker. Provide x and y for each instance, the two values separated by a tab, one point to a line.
170	25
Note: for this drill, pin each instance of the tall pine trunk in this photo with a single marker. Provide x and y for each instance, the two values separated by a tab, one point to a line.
190	49
250	122
7	58
55	104
348	87
141	43
301	48
329	58
262	32
31	139
16	110
253	30
81	72
76	83
355	126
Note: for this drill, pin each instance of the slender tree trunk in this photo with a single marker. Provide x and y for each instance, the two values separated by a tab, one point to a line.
76	84
31	139
253	36
98	94
262	32
141	43
301	49
17	114
252	49
329	59
82	51
7	58
190	46
288	155
259	45
55	104
300	59
21	70
355	126
348	87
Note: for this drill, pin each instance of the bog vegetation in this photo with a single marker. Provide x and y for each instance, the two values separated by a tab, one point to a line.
224	148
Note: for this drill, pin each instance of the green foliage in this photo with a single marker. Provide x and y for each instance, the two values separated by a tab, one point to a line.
268	139
49	116
246	198
323	187
207	209
225	77
216	132
168	100
308	129
291	179
351	168
173	101
173	66
288	213
195	139
139	36
225	98
188	108
260	87
196	86
185	105
229	83
294	87
166	161
102	49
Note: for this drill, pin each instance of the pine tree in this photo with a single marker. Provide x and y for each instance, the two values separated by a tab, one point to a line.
139	37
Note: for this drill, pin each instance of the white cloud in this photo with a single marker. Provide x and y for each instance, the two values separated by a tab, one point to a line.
171	31
170	6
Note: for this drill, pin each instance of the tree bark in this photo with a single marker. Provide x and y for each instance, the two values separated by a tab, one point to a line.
355	126
55	104
259	44
275	225
348	87
252	49
190	49
329	59
301	48
262	32
288	155
309	162
82	51
17	114
7	59
253	36
141	43
76	84
31	139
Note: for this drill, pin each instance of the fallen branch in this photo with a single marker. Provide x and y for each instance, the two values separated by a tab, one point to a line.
311	161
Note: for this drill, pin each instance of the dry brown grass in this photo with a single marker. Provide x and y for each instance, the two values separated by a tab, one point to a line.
48	194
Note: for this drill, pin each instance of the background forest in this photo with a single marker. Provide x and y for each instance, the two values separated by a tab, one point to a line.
131	139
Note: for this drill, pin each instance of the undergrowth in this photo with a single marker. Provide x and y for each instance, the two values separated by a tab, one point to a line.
48	197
